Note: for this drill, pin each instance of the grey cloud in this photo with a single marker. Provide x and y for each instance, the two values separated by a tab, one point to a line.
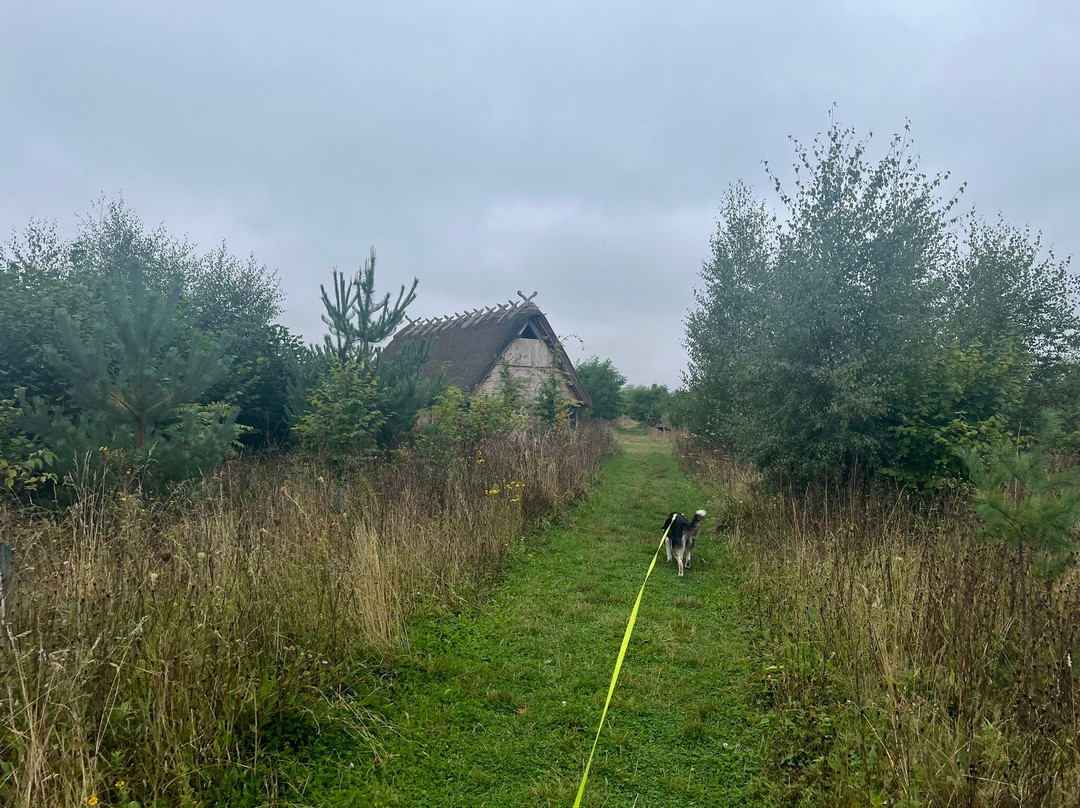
574	148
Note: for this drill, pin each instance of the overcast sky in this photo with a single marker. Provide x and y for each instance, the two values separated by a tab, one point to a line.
576	149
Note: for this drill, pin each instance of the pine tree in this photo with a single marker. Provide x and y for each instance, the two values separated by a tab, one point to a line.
136	377
131	364
356	321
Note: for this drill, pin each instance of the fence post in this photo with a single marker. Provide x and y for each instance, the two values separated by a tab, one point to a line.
7	577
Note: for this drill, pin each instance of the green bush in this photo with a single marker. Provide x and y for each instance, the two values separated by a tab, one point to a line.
25	466
1024	501
551	407
458	424
135	376
969	398
344	414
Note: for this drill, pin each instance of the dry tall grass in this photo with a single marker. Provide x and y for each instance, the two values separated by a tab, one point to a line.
897	661
167	652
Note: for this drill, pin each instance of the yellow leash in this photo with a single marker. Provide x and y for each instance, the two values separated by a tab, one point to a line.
618	666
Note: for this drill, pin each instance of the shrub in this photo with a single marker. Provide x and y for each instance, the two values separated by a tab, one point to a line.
458	424
344	415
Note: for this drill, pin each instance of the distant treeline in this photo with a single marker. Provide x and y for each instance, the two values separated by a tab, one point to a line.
612	396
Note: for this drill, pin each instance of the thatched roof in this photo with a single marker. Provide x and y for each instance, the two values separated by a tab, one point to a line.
468	346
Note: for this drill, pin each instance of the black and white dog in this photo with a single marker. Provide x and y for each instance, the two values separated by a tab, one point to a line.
681	534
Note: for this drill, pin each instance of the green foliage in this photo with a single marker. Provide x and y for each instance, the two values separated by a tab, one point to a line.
969	398
404	391
357	324
724	332
457	424
678	407
216	294
129	364
604	383
25	466
551	407
817	343
806	333
188	445
647	404
344	414
257	383
35	279
511	388
1002	289
234	301
135	387
1023	501
192	443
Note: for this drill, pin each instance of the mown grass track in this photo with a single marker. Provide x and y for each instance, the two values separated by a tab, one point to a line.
498	705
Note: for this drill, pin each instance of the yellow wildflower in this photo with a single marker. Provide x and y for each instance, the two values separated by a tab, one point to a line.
92	799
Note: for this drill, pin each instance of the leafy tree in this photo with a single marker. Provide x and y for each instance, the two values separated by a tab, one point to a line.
1004	290
35	279
727	324
258	382
647	404
1006	294
604	383
871	328
231	299
678	407
807	333
967	402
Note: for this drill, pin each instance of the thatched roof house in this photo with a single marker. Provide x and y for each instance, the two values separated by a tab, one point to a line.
472	347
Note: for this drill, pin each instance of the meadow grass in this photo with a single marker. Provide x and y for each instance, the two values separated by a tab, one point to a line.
190	651
498	704
900	667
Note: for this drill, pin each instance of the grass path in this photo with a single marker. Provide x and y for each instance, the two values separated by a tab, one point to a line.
498	706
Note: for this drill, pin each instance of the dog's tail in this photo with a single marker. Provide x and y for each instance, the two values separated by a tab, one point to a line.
695	523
